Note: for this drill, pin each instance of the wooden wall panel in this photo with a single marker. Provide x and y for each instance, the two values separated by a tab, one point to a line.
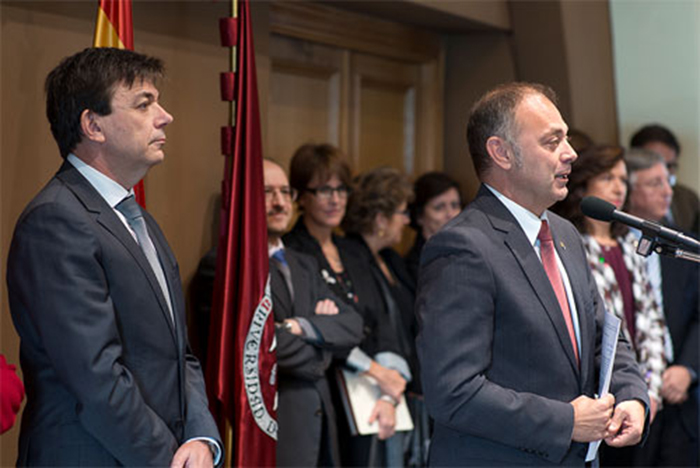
327	25
385	121
306	98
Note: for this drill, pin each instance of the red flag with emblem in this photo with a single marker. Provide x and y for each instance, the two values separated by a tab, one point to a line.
241	363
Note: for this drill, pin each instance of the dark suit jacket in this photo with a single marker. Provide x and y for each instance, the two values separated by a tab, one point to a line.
109	379
498	366
680	285
304	394
685	208
413	256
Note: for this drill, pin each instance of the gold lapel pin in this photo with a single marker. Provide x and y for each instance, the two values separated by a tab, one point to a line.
561	244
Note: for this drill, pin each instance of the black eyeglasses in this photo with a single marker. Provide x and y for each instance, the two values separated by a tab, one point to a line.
325	192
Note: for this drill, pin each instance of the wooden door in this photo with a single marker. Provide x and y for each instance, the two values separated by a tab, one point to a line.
306	99
384	113
369	86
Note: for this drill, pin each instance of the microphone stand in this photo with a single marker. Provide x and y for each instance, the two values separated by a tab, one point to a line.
649	243
670	250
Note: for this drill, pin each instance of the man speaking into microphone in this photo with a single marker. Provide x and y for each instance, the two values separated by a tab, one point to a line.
510	321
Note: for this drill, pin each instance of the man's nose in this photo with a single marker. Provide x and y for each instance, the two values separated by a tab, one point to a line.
569	155
164	118
668	189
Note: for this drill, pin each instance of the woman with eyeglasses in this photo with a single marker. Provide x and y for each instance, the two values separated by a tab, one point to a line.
437	200
321	177
620	273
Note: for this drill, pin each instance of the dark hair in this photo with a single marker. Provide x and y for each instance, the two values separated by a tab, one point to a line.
87	80
494	115
591	163
427	187
324	160
655	133
380	190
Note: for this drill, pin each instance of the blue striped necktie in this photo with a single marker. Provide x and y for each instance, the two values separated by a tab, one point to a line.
132	212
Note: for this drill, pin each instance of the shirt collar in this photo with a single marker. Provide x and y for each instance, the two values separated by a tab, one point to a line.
272	248
527	220
109	189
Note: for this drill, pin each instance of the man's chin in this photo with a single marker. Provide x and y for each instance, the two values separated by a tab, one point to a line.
157	158
560	194
154	156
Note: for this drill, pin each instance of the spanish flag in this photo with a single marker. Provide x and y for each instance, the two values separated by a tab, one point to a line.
114	28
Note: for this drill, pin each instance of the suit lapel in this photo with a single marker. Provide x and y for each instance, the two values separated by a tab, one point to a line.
105	216
176	297
300	282
518	244
281	300
173	280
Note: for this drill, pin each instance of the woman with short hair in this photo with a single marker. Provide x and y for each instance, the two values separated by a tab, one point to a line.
322	178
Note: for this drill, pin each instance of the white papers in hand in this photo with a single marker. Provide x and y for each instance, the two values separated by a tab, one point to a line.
611	332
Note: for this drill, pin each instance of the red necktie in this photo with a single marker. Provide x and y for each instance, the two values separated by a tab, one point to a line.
549	261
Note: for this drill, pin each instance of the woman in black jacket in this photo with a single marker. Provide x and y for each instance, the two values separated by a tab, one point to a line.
322	179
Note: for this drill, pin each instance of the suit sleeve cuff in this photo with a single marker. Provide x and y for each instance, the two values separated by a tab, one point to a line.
310	333
358	360
394	361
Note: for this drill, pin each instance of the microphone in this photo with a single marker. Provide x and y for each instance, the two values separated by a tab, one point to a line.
595	208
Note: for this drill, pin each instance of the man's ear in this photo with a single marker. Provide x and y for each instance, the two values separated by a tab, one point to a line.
90	125
501	152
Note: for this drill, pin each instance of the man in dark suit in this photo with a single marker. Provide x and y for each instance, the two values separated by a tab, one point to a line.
311	325
673	438
510	321
94	288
